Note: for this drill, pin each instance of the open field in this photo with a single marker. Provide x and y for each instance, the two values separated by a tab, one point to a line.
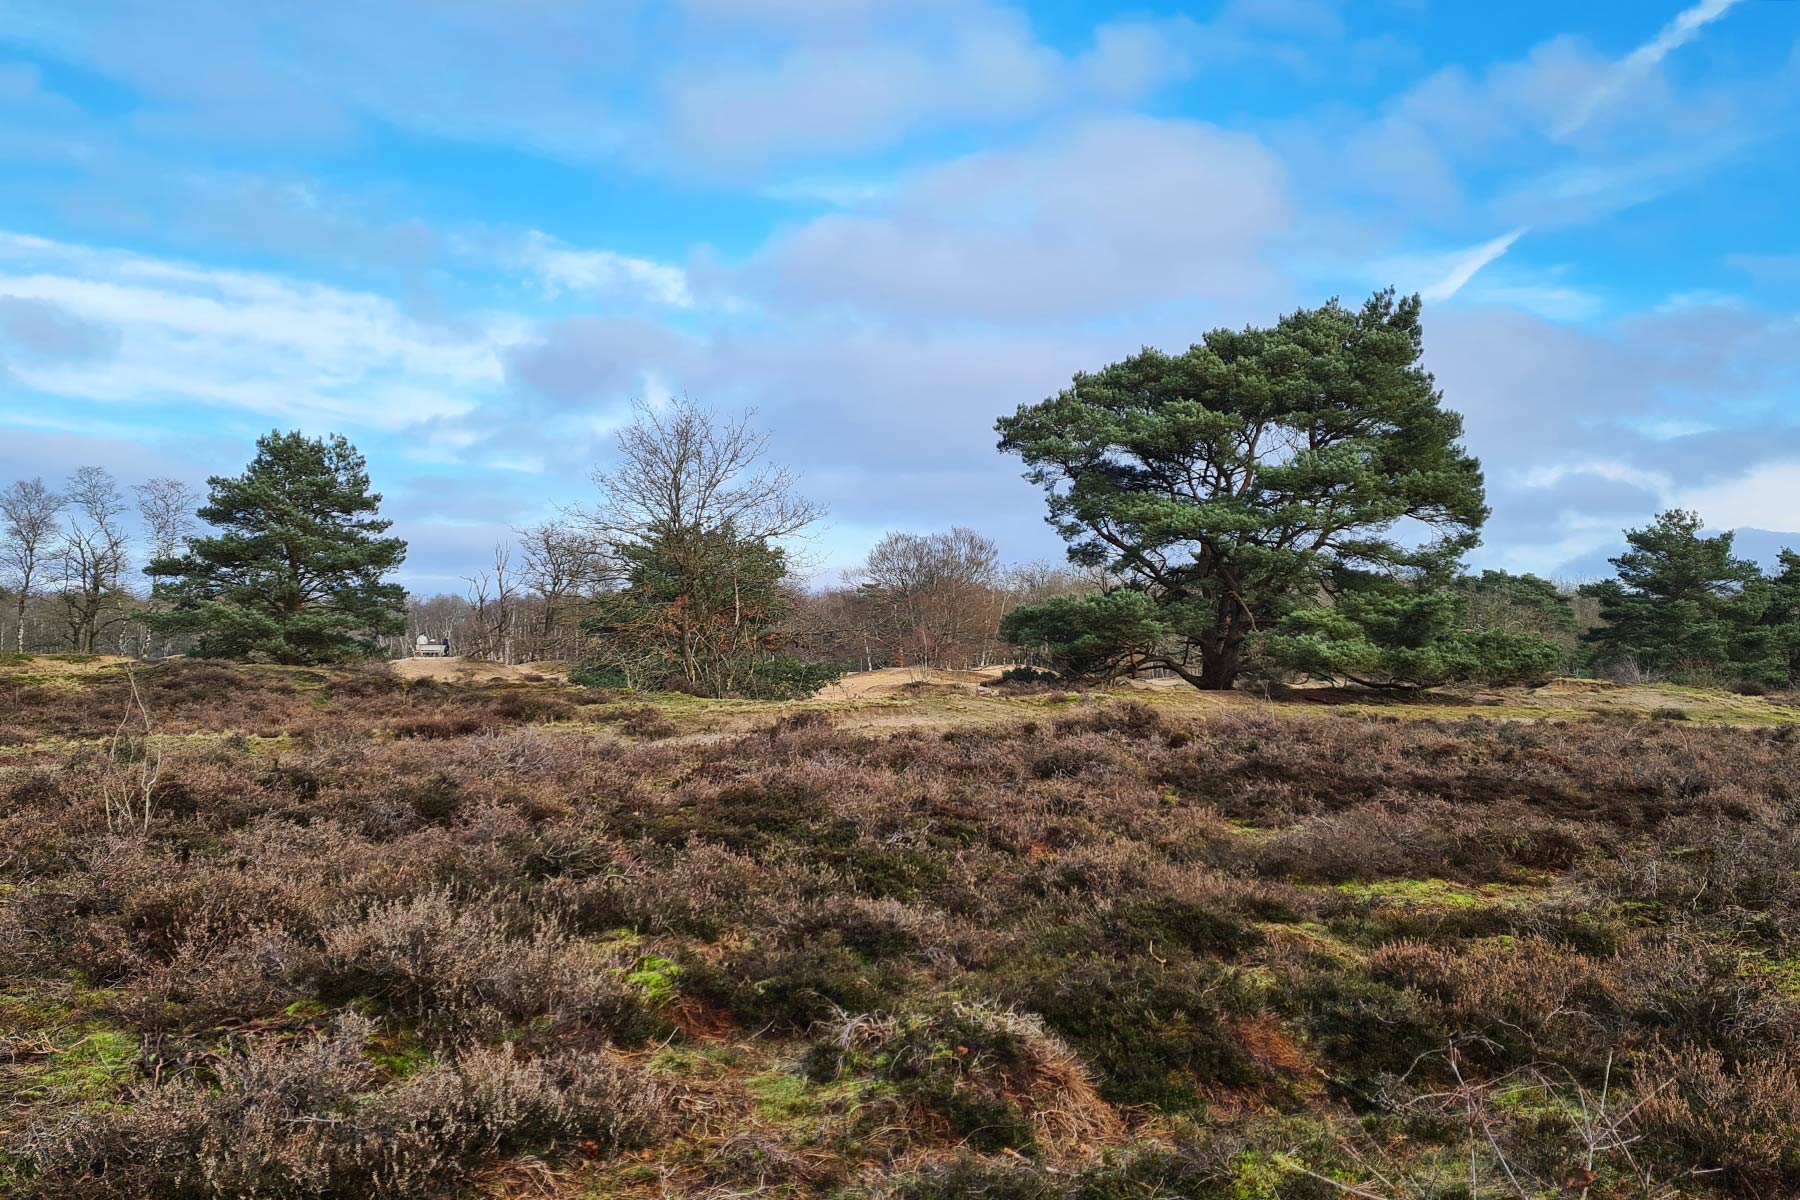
492	935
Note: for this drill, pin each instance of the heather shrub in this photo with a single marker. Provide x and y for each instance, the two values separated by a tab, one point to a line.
1412	839
462	970
649	723
1408	935
1218	1163
799	721
788	980
1156	1032
439	727
200	985
883	928
1522	999
1129	719
1743	1119
994	1077
526	706
316	1120
1749	859
700	890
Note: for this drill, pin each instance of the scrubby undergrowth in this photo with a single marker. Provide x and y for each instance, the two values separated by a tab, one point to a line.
435	940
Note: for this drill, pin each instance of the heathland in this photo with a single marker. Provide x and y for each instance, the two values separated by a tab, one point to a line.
340	932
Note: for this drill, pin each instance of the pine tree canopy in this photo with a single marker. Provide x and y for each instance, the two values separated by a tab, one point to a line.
1231	483
1682	601
295	571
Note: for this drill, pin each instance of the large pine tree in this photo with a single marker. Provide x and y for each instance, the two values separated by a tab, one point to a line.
1245	477
295	572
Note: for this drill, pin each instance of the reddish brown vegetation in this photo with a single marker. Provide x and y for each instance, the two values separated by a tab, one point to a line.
1030	938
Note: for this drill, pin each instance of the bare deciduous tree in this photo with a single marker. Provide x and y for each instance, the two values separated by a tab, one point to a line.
168	507
944	586
937	595
686	468
562	562
693	502
93	555
29	513
493	597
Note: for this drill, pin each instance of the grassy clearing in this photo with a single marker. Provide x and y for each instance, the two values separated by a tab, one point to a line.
423	939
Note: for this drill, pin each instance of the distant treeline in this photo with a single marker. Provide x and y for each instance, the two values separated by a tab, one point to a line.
1284	503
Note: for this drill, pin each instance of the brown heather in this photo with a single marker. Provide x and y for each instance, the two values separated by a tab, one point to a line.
420	940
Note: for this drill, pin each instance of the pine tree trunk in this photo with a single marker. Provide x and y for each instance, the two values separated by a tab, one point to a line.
1219	670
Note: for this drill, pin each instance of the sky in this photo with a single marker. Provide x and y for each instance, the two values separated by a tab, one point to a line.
468	235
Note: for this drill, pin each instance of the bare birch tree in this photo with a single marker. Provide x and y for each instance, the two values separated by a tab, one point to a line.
169	510
168	507
29	513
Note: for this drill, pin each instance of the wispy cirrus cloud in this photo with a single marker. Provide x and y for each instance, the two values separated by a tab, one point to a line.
1634	67
1463	266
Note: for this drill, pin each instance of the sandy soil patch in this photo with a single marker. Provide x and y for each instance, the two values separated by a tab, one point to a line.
456	669
897	682
64	664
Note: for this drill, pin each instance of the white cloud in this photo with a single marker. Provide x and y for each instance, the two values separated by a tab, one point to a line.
603	273
1313	18
1611	470
827	95
1462	266
1644	60
244	340
1496	146
1762	498
38	328
728	87
872	76
1766	268
1112	216
1553	301
1132	57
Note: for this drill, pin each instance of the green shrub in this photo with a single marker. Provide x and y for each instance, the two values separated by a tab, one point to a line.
1155	1031
790	678
595	676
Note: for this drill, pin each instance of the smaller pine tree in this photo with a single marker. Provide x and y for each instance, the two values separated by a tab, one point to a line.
295	572
1682	603
1390	633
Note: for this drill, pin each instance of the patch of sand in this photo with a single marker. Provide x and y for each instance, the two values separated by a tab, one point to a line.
65	664
457	669
898	682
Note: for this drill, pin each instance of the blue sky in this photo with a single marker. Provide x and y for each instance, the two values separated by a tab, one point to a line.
467	235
